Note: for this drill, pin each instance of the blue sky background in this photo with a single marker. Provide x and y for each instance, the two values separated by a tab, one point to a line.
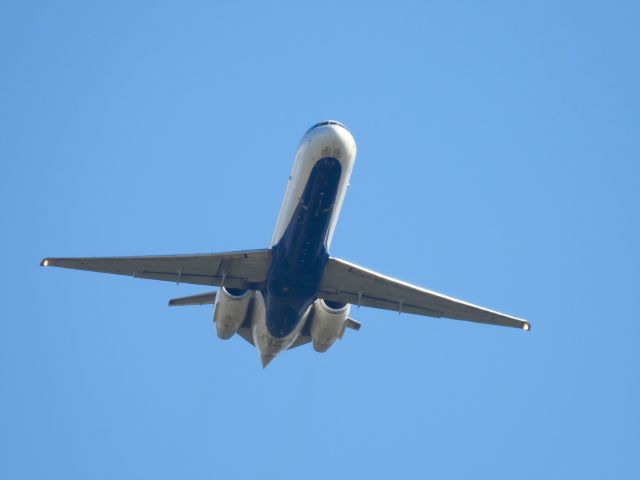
498	162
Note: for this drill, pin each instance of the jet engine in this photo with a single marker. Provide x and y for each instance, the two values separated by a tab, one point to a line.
328	323
230	310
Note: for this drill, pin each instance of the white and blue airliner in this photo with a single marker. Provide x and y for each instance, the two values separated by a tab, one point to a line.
294	292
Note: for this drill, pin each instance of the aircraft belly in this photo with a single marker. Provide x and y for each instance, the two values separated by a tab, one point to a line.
265	342
298	259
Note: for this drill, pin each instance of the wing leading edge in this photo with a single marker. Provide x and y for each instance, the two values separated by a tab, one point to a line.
348	283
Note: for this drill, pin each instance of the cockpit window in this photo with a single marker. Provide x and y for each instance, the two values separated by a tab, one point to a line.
328	122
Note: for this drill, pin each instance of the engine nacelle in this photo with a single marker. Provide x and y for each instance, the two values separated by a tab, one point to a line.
328	323
230	310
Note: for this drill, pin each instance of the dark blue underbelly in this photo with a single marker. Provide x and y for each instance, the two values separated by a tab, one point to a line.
298	258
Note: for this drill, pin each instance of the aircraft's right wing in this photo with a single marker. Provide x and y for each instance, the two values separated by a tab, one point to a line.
242	269
348	283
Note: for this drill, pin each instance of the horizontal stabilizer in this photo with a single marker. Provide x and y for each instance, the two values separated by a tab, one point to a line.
208	298
245	332
353	324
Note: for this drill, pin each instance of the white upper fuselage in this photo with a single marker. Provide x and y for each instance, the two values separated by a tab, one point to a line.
326	139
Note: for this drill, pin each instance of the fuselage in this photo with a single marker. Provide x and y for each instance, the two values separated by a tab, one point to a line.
293	292
305	225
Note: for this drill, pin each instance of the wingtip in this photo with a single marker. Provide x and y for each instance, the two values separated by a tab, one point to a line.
44	262
526	326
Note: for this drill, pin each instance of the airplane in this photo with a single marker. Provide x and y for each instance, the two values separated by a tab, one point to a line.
294	292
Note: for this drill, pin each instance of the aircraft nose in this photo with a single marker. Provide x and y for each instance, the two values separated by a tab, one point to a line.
332	138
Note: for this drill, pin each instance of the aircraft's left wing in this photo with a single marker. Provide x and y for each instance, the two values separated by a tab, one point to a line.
243	269
348	283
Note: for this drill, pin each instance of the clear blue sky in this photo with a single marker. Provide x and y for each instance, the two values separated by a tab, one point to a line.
498	162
